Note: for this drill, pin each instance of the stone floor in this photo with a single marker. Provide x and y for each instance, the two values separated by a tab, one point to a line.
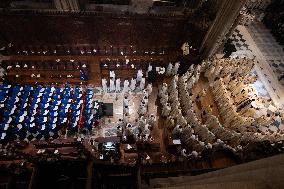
269	47
108	126
207	100
255	41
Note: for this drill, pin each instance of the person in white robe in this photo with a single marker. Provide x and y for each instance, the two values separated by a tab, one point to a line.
139	75
125	101
117	85
150	68
126	86
133	84
111	85
142	84
104	85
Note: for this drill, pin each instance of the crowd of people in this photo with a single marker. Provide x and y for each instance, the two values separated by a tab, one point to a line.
145	122
135	84
29	113
241	118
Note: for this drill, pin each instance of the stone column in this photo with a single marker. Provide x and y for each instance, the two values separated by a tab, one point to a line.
222	25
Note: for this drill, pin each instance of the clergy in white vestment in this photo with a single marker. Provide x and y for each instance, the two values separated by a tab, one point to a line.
175	69
104	85
133	84
111	85
126	86
142	84
117	85
149	69
125	101
139	75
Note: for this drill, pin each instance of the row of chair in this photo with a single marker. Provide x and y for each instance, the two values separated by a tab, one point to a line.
38	110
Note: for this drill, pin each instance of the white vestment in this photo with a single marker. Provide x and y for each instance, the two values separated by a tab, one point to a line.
117	85
126	86
142	84
133	84
139	75
111	85
104	85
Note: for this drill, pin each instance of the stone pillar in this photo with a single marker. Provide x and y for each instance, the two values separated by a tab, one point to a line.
222	25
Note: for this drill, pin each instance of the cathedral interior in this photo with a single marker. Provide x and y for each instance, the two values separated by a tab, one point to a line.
125	94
